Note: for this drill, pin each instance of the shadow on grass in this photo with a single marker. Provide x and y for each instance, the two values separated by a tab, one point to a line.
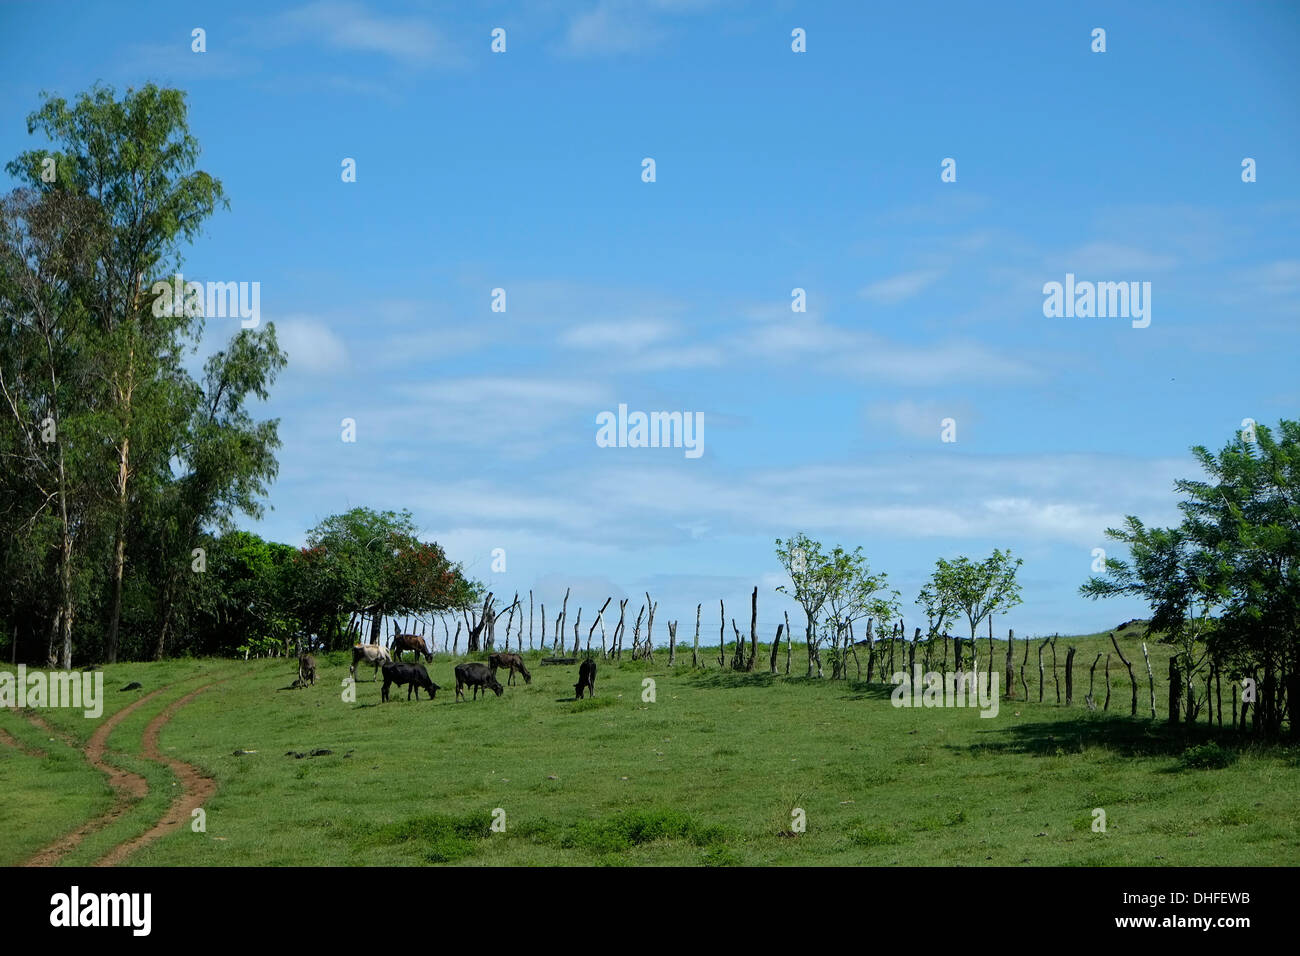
1197	747
861	690
731	679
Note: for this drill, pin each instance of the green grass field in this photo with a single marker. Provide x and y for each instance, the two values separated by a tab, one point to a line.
709	773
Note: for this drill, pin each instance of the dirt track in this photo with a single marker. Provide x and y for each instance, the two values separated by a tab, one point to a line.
195	788
129	788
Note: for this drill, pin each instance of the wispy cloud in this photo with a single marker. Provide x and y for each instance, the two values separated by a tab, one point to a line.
310	344
614	27
900	287
344	25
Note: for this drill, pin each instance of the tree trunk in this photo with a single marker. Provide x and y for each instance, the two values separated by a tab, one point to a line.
1175	689
990	647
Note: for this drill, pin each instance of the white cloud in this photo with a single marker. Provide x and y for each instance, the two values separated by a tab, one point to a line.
311	346
1102	258
900	287
633	334
351	26
916	419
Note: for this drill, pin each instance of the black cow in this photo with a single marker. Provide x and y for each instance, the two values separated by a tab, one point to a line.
476	675
586	679
413	674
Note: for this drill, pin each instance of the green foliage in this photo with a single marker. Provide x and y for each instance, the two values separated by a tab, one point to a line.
439	838
365	560
838	583
1224	585
622	832
1207	756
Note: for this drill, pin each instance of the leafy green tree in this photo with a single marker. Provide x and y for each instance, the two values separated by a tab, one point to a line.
938	598
245	597
811	581
854	593
373	562
136	159
1224	586
48	437
223	461
980	589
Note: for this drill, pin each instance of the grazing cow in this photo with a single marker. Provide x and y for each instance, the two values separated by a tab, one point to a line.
512	661
371	654
402	643
306	670
586	679
476	675
413	674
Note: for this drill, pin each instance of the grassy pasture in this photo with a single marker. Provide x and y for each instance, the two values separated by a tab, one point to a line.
707	774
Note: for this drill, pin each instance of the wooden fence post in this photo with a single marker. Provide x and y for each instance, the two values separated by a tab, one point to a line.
1132	679
695	648
1023	684
1069	677
1011	664
1042	678
753	630
1151	679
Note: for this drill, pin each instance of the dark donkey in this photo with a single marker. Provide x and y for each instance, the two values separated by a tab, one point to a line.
476	675
410	642
586	679
512	661
412	674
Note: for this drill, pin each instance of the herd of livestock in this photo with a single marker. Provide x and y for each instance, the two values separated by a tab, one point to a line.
471	674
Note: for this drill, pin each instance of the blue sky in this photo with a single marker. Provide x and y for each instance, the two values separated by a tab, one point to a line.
775	170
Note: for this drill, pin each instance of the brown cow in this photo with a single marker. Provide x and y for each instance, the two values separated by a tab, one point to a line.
409	642
512	661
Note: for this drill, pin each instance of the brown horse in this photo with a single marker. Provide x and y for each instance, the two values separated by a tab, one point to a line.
409	642
512	661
